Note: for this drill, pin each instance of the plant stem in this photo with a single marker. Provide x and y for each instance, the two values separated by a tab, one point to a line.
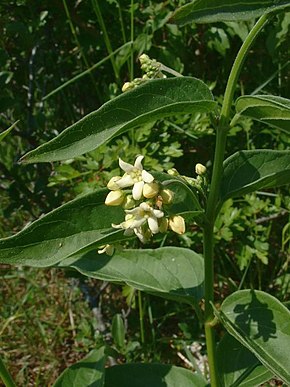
98	13
141	317
5	375
213	199
132	40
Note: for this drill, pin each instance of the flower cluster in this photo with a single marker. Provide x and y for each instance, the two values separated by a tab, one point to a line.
152	70
142	197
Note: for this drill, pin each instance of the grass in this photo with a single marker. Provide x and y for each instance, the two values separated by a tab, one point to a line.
41	326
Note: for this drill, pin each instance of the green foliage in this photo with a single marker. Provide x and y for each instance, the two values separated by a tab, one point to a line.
143	375
88	372
175	273
248	171
7	131
153	100
243	369
269	109
211	11
260	322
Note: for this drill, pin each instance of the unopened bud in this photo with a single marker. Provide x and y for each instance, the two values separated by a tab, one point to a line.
115	198
177	224
163	225
129	202
150	190
128	86
173	172
112	183
167	196
200	169
144	59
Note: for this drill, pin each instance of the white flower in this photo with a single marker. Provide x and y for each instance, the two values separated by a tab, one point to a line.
139	216
134	175
150	190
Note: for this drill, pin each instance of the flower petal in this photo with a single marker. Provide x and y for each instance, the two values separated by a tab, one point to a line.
138	190
138	163
158	213
125	181
125	166
147	177
153	225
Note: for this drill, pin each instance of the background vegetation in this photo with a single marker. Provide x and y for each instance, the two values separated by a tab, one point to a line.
54	68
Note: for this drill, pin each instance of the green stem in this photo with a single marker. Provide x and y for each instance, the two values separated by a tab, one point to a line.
98	13
132	40
5	375
141	317
73	31
213	199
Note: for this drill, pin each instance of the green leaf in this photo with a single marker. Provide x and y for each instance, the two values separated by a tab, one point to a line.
7	131
261	323
80	224
170	272
238	366
89	372
148	102
211	11
248	171
269	109
118	331
153	375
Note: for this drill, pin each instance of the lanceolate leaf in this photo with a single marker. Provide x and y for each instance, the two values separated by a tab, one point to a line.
90	371
248	171
82	223
269	109
152	375
7	131
153	100
210	11
261	323
170	272
238	366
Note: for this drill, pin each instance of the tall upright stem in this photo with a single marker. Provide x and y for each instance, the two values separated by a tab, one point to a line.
211	210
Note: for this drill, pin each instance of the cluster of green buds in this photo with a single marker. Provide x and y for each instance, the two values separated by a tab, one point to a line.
151	68
142	198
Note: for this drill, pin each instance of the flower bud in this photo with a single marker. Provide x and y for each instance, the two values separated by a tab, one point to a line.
150	190
129	202
108	249
112	183
144	59
177	224
173	172
167	196
163	225
128	86
200	169
115	198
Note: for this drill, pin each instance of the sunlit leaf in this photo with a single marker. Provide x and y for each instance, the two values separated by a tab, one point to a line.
7	131
248	171
261	323
82	223
153	100
171	272
238	366
153	375
211	11
269	109
90	371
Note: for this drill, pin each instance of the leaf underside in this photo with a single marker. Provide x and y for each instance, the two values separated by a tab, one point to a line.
268	109
248	171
